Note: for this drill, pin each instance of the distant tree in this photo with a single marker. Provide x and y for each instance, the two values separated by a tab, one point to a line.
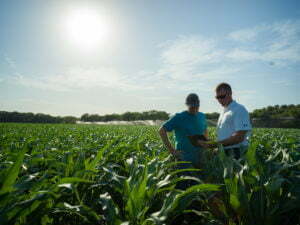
157	115
18	117
277	116
94	118
85	117
113	117
212	116
69	119
295	113
130	116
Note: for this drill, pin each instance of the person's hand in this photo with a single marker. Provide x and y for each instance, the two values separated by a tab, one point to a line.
215	151
176	153
202	144
207	144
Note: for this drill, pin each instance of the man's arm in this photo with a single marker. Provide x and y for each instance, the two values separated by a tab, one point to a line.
165	139
242	124
206	134
236	138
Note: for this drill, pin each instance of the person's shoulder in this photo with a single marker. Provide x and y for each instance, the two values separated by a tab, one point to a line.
179	114
241	108
182	114
201	114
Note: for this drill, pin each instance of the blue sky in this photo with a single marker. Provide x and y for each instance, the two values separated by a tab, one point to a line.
153	54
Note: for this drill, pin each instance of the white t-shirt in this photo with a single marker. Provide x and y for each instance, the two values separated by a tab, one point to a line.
234	117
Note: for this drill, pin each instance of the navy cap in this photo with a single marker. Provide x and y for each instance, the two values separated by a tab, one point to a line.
192	100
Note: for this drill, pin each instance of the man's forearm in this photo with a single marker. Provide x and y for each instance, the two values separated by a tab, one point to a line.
236	138
206	134
164	137
229	141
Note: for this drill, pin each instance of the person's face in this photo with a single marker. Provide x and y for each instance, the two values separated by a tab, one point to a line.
193	109
224	97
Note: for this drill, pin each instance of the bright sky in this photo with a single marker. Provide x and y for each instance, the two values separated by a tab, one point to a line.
69	58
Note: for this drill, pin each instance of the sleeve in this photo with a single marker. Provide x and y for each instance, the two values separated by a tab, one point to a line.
171	124
241	120
204	122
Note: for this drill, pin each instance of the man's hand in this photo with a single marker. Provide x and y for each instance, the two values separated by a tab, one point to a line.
175	153
207	144
164	137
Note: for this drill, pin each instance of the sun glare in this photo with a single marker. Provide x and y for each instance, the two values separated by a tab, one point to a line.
86	28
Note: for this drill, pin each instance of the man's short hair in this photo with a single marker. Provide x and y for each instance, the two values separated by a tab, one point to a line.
223	86
192	100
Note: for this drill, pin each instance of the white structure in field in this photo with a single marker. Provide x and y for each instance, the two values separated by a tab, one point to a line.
136	122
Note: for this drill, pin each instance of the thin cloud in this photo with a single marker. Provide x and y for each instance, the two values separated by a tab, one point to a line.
195	59
11	63
218	73
189	50
277	43
186	57
283	83
76	79
246	35
12	66
187	62
243	55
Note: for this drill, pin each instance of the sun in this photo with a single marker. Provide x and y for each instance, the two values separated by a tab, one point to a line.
86	28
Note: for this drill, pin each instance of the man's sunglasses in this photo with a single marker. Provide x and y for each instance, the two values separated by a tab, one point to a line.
221	96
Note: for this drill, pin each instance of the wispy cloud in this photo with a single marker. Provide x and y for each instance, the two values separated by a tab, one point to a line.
239	55
245	35
277	43
187	62
218	73
11	63
189	50
77	79
284	82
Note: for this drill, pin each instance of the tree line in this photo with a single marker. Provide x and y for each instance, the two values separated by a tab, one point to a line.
284	116
287	116
277	112
18	117
127	116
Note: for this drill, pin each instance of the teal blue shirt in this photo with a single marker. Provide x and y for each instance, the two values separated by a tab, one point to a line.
184	124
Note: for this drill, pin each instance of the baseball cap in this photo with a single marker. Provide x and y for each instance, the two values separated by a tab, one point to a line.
192	100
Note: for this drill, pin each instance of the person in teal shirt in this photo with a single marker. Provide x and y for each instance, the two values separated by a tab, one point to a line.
184	124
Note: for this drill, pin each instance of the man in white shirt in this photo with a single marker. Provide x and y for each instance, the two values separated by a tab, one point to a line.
233	127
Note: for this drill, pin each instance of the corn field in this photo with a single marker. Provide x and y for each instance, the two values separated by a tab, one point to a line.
122	175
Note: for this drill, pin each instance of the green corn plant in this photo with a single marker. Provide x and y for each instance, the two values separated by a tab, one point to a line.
257	190
86	174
